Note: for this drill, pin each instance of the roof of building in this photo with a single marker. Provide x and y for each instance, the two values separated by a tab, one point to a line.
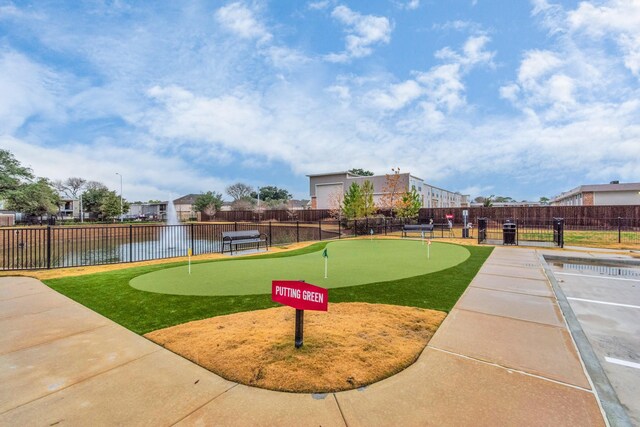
189	199
347	173
630	186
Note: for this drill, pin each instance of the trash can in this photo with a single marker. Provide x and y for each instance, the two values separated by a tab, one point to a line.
509	229
465	233
482	230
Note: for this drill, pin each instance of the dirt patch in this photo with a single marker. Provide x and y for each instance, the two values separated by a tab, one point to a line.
351	345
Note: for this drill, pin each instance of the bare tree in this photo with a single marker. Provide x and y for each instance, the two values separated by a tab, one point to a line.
239	191
393	190
335	204
70	187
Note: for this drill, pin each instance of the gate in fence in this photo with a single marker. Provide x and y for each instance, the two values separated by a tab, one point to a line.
516	232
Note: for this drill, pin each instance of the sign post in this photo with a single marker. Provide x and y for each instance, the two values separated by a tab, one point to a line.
465	229
301	296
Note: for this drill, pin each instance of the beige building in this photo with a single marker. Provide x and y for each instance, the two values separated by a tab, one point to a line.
327	190
613	193
184	206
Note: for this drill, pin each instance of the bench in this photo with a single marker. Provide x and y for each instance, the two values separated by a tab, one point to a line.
417	228
246	237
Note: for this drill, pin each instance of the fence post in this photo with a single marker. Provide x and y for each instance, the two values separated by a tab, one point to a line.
48	247
235	226
298	231
191	230
320	229
130	242
270	238
619	231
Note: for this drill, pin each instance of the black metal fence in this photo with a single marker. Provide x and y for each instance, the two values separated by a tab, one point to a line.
29	248
63	246
517	231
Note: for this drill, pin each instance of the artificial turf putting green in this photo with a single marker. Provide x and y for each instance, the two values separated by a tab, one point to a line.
351	262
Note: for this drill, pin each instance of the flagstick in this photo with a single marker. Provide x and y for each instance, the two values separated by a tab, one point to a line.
422	238
429	250
326	261
189	253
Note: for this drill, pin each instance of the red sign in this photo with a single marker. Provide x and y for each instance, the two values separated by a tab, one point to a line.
300	295
449	216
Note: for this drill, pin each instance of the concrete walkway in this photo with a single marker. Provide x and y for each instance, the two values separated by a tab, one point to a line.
503	356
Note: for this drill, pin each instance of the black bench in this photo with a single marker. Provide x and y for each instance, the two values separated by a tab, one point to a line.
417	228
245	238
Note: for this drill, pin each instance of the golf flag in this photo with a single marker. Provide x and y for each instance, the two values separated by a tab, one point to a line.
325	255
429	249
189	253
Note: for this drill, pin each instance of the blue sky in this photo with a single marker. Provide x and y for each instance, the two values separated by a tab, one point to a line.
513	98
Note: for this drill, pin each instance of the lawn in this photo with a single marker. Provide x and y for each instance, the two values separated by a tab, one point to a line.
351	262
110	294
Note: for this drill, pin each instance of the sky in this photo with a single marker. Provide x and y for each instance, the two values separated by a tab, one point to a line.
515	98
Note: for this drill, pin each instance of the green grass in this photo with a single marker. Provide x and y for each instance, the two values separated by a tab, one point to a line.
110	294
351	263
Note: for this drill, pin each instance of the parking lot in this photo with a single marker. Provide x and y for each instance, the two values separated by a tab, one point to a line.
606	301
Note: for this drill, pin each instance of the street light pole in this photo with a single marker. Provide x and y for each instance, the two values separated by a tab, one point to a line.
121	219
258	204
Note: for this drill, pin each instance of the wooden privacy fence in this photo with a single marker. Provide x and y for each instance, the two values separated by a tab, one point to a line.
573	215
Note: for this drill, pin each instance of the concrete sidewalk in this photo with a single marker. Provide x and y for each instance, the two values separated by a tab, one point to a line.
503	356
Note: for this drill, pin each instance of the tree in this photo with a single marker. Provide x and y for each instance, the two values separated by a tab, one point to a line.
360	172
239	191
488	201
70	187
270	192
352	205
243	204
208	203
479	199
335	204
110	206
503	199
93	196
410	204
392	190
368	206
12	173
36	198
544	200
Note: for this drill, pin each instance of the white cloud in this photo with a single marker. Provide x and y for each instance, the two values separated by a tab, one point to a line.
146	174
28	89
397	96
363	32
319	5
537	64
241	20
615	19
412	4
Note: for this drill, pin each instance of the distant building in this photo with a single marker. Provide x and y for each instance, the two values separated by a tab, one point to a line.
184	206
148	211
506	204
324	188
613	193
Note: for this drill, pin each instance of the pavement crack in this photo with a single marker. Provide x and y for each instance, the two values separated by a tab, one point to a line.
340	409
